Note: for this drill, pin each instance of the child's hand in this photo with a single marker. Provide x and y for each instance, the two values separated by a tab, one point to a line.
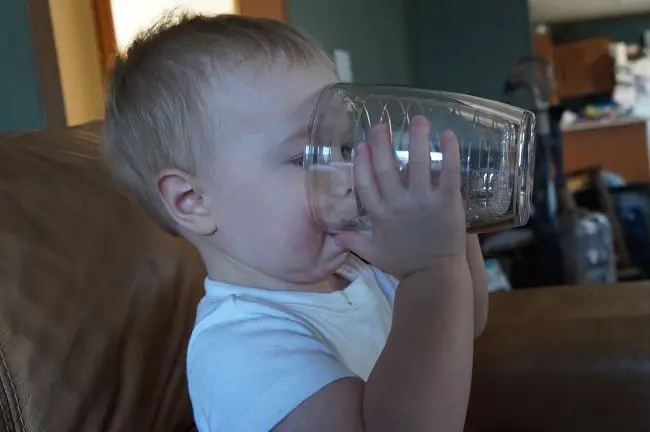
415	221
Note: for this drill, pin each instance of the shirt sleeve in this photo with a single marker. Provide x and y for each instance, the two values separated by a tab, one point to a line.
247	370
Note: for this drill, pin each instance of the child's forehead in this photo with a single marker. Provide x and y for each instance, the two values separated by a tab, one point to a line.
278	94
298	88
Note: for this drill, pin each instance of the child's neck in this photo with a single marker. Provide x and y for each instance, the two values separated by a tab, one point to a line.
231	272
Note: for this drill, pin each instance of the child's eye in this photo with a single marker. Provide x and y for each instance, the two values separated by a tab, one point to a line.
347	151
298	160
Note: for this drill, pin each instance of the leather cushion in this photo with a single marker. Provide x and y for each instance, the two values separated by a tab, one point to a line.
564	359
96	302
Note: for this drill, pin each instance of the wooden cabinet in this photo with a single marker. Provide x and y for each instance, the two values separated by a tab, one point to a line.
622	147
583	68
275	9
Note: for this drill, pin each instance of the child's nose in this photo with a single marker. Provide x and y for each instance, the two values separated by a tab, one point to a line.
342	180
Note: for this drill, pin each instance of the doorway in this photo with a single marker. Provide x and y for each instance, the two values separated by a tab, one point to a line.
119	21
130	17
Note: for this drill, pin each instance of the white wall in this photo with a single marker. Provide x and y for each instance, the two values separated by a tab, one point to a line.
131	17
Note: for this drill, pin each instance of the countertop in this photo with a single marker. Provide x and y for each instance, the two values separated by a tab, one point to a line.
599	124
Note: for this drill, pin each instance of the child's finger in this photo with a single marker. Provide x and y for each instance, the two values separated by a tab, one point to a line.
450	175
364	178
383	159
419	165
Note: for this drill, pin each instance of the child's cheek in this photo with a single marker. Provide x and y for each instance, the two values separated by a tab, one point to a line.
304	234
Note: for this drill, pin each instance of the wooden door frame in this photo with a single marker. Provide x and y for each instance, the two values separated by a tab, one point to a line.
105	35
276	9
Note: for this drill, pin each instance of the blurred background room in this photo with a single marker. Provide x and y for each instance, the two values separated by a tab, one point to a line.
581	66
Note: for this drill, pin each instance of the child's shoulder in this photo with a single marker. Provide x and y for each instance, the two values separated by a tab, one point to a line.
251	361
234	324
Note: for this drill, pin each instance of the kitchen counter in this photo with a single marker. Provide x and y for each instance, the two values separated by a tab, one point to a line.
599	124
621	146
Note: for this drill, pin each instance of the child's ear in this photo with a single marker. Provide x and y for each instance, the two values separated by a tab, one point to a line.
185	202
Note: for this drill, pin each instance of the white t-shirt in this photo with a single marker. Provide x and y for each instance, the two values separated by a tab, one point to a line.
255	355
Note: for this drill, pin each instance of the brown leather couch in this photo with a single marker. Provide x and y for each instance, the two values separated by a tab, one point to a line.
96	305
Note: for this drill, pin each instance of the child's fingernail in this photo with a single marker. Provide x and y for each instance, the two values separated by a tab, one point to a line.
420	121
448	135
380	131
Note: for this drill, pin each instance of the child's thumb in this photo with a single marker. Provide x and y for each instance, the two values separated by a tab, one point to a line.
359	243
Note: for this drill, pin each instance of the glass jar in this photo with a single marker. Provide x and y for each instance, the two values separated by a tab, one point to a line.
496	147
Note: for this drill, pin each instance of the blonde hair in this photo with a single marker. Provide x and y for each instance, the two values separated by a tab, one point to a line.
155	116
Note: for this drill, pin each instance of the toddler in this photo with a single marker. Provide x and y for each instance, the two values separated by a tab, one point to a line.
206	121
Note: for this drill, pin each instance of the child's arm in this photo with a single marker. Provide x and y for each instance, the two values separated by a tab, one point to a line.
428	359
421	380
479	282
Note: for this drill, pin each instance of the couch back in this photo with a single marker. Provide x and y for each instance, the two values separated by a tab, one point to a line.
96	302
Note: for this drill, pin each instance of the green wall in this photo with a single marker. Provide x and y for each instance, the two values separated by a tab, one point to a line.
467	46
372	31
464	46
20	104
